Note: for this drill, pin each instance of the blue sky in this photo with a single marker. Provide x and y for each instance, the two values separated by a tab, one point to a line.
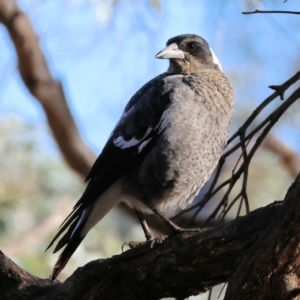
103	54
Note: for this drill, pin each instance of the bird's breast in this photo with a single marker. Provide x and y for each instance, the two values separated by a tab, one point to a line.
196	134
184	157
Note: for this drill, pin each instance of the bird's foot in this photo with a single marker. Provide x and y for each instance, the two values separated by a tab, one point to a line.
158	240
152	241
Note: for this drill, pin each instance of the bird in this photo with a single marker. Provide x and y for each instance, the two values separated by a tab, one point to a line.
164	147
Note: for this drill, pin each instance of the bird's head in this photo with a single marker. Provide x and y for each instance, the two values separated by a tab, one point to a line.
189	53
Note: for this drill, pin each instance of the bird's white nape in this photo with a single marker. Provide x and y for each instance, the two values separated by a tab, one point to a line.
215	59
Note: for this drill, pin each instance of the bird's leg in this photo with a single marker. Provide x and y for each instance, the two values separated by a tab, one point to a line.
175	229
148	235
144	225
172	225
158	240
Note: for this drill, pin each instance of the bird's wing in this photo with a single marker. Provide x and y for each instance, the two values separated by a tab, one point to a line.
140	125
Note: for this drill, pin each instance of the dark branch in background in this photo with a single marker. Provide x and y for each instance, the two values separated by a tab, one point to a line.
48	91
248	150
287	156
270	12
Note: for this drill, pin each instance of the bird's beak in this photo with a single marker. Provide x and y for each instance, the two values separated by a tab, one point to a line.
171	51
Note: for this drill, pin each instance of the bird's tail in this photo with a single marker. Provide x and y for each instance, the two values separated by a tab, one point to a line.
65	256
80	221
72	239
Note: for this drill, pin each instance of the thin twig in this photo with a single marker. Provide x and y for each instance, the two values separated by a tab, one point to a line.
239	208
279	91
245	176
223	214
271	12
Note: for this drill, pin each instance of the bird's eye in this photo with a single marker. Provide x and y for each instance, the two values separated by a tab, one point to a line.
191	46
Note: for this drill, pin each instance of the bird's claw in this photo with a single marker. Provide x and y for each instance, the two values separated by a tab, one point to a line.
126	244
152	241
159	240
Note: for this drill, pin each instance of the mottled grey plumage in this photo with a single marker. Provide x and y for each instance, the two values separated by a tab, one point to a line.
165	146
187	152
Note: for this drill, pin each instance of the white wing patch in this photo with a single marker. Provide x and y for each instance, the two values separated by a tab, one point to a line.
215	59
121	143
163	121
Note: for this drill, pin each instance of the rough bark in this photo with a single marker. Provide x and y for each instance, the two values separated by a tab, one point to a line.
257	254
271	269
184	265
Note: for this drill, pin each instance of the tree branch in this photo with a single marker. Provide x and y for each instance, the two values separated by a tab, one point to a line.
270	12
263	247
187	264
288	156
48	91
270	270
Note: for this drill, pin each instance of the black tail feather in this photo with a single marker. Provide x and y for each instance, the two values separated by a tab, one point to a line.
65	255
63	227
71	240
75	215
66	238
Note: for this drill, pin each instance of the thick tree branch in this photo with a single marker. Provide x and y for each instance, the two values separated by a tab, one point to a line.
271	269
187	264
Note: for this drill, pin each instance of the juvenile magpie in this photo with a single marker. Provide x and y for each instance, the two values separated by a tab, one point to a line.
164	147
